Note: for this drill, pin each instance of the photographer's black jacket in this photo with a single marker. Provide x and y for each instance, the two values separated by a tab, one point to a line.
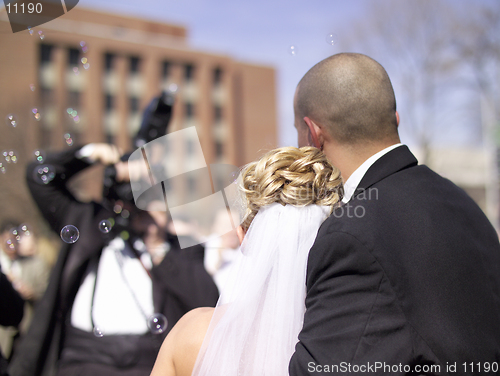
180	282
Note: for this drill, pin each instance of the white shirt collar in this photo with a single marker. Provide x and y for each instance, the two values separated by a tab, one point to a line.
352	183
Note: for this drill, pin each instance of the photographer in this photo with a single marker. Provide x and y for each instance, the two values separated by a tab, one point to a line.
121	280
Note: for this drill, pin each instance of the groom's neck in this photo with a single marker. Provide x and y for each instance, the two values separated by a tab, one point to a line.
348	158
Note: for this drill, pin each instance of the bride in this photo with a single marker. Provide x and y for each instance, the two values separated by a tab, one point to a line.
287	194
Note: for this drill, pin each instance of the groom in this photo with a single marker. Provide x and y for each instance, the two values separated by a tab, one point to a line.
405	277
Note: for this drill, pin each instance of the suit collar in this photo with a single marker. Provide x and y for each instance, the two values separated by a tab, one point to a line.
396	160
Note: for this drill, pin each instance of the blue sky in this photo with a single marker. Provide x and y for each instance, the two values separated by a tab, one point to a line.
255	31
262	32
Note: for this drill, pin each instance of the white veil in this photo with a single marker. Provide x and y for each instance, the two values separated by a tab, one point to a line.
260	314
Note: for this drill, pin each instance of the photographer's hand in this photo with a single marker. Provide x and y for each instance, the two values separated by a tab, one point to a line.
106	154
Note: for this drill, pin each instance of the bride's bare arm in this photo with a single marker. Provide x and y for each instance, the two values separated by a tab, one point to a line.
179	350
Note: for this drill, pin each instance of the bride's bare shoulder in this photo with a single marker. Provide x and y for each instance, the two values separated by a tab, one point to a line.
180	349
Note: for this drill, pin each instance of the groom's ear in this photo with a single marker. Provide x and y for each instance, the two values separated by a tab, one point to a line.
397	119
315	134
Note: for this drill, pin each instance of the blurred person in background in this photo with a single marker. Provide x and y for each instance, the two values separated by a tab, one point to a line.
26	270
221	251
11	311
121	280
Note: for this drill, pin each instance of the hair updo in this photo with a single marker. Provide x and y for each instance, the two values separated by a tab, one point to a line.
290	176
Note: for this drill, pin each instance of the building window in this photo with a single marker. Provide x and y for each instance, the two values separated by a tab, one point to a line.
73	56
189	147
134	104
108	62
219	149
189	110
166	68
109	102
73	99
191	184
188	72
46	53
217	76
217	113
134	64
109	138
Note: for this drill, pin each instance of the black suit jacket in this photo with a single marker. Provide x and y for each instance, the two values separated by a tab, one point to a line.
408	272
180	282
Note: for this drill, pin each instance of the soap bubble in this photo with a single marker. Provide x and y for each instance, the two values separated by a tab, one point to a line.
30	30
83	46
36	114
172	88
39	156
157	323
331	38
68	139
84	60
105	226
24	230
76	71
69	234
32	87
40	34
86	66
98	332
10	156
293	50
44	174
3	170
11	120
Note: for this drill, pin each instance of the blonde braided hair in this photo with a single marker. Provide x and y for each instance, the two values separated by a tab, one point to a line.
293	176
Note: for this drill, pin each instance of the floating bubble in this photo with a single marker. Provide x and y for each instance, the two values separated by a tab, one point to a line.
44	174
69	234
3	170
36	114
84	60
293	50
117	209
10	156
82	43
331	38
10	244
24	230
30	30
69	110
86	66
98	332
105	226
32	87
173	88
15	233
68	139
74	113
11	120
76	71
39	156
40	34
157	323
76	119
125	214
85	49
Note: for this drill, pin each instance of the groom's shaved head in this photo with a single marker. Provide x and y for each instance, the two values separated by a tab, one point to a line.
352	96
